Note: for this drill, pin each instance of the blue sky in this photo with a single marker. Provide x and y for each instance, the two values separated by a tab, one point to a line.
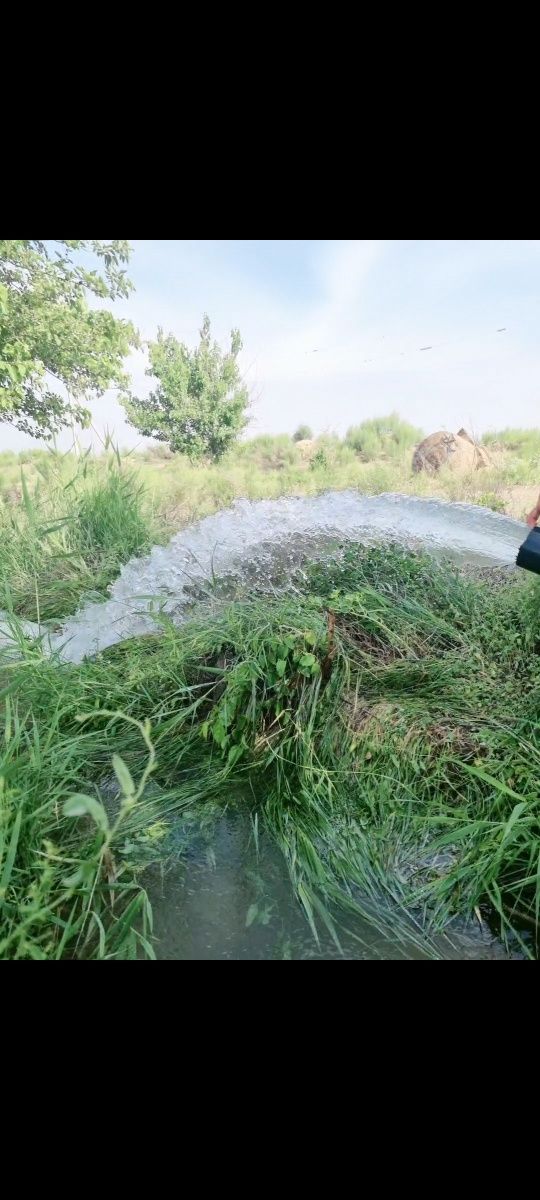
333	330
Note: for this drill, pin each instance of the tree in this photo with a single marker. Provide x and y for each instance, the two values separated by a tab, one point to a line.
302	434
56	352
199	404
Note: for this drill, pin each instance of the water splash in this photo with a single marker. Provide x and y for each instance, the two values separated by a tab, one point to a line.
250	537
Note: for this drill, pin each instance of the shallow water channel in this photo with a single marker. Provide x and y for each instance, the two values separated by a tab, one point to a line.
229	896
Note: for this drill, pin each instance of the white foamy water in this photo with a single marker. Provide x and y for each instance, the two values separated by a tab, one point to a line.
250	536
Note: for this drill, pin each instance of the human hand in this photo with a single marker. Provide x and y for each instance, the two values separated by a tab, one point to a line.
533	515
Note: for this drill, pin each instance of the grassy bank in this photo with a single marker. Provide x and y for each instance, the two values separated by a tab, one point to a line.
383	726
383	720
66	530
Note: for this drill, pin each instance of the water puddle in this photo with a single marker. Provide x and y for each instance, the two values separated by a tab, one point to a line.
230	897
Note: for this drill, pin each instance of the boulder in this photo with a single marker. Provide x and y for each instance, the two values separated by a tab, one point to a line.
454	450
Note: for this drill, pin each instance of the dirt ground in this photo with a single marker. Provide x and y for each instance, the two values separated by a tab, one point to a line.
519	500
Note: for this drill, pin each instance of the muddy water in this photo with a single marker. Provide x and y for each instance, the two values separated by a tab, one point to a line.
230	897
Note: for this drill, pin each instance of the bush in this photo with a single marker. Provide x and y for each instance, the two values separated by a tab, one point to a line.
383	437
319	461
302	434
110	523
268	452
525	442
69	536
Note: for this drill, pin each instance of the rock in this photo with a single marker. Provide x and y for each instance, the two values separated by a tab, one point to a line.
454	450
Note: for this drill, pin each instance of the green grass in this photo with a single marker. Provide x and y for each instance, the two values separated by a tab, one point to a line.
74	526
381	722
64	892
383	437
384	717
522	442
374	457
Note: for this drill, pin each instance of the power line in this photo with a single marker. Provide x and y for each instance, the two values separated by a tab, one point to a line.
417	350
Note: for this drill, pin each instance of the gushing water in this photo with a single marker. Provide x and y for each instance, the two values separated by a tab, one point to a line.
250	538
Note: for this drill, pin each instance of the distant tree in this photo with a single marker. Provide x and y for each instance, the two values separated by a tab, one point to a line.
302	433
51	338
199	405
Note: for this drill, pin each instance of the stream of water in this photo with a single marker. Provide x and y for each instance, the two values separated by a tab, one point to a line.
254	536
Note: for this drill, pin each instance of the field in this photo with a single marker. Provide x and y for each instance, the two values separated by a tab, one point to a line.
383	728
